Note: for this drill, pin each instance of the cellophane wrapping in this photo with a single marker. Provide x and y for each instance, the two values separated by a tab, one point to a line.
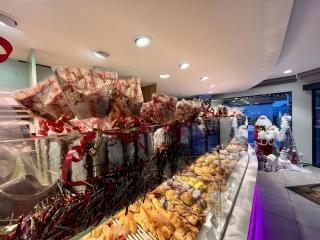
45	100
128	99
87	93
161	109
187	110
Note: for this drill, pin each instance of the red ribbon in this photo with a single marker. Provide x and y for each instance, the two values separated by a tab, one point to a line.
80	150
7	48
57	126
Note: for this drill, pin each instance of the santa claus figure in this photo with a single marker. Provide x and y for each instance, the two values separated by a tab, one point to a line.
264	135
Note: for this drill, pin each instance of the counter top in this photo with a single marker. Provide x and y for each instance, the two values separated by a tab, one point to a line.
239	221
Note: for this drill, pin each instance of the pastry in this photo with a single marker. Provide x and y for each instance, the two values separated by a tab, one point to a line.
171	195
160	234
179	234
162	220
132	223
135	207
147	204
147	220
166	231
139	219
196	207
157	205
194	220
191	236
187	198
206	177
162	189
96	232
175	220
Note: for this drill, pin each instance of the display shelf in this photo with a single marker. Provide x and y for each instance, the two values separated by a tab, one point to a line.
215	223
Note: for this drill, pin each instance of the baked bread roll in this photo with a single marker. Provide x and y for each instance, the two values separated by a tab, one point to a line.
187	198
171	195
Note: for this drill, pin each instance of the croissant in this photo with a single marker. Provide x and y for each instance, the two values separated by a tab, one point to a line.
96	232
132	223
135	207
179	234
138	219
157	205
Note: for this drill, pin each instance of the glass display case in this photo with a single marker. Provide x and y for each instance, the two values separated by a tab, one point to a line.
156	181
196	202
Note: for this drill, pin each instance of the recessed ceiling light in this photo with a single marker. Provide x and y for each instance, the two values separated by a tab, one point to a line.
210	92
100	54
164	76
184	66
7	21
287	71
204	78
142	41
212	86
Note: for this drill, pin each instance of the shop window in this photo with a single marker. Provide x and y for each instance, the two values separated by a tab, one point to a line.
316	127
272	105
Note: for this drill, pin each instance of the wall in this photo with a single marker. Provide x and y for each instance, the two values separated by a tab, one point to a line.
301	112
147	92
43	73
15	75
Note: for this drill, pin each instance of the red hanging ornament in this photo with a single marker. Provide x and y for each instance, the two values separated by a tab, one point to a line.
7	48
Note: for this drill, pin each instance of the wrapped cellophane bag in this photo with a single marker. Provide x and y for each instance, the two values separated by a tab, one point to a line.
160	110
88	93
128	99
187	110
45	100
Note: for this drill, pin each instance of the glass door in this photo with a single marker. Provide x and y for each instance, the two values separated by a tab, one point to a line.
316	127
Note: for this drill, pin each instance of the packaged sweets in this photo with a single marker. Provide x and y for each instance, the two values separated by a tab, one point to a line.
45	100
87	93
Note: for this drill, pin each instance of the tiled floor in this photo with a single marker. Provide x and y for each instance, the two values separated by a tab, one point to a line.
285	214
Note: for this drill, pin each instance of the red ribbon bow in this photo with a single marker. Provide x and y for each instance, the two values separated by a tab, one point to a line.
7	48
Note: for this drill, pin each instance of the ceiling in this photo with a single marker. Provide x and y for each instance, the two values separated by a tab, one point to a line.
301	50
235	43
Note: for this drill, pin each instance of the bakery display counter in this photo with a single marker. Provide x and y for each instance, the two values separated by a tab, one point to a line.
196	203
156	170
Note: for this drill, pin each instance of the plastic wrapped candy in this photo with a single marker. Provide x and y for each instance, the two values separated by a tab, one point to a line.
44	100
160	110
87	93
